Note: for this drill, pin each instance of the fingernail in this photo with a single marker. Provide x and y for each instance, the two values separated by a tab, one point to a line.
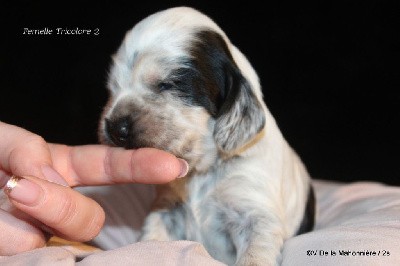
53	176
23	191
184	168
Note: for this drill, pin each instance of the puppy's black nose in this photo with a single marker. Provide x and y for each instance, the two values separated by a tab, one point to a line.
119	130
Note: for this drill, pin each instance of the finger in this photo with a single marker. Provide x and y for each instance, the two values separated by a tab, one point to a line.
17	235
58	207
101	165
22	152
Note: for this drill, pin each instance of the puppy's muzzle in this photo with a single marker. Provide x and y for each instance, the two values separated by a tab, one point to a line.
119	131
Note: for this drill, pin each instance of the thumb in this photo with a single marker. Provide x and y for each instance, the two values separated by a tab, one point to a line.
61	208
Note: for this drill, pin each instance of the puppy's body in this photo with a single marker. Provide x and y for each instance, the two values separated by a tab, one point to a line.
178	84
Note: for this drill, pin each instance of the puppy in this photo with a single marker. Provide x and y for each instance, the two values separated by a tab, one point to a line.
178	84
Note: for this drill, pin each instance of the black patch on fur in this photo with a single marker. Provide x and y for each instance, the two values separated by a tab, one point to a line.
207	74
309	214
209	77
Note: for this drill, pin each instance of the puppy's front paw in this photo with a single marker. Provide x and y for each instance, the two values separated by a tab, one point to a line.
248	261
154	229
261	258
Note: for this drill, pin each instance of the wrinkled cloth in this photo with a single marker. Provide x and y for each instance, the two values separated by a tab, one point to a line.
357	224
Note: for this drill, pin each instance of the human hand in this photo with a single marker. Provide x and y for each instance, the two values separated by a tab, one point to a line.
40	198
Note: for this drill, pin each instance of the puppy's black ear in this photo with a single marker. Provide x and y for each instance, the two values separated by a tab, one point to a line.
230	98
241	116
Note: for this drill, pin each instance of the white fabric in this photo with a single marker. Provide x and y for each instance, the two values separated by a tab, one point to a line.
359	219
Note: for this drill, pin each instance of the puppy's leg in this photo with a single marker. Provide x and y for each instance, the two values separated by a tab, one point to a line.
164	225
258	238
154	228
254	223
167	220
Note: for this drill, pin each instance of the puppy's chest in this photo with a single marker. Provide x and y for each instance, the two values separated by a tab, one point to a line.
206	220
201	189
197	198
197	214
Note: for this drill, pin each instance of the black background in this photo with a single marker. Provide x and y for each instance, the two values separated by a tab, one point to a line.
329	73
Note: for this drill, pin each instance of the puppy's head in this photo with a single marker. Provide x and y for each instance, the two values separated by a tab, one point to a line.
177	84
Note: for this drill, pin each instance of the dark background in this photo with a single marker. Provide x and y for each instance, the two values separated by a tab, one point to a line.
328	73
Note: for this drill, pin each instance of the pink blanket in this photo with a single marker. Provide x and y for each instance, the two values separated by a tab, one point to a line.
357	224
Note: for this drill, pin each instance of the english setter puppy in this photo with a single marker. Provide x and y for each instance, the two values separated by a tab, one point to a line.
178	84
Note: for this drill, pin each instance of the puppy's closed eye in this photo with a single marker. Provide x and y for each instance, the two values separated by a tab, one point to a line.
165	86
